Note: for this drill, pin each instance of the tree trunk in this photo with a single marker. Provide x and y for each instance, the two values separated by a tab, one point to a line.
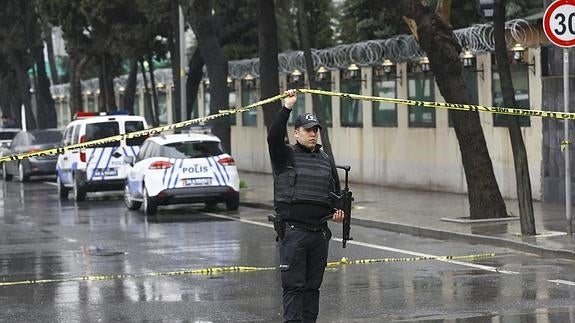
147	100
153	88
77	64
195	74
522	179
130	90
268	53
106	99
46	111
305	42
47	29
196	63
175	54
217	65
439	42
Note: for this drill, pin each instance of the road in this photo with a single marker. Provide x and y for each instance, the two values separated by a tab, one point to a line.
62	261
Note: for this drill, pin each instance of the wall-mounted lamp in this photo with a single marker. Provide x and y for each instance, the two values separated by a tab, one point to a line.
469	62
424	64
249	81
386	69
352	72
322	74
88	92
207	84
160	86
518	53
122	90
295	77
231	83
518	57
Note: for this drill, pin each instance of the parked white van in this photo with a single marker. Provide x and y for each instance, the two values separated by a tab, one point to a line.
100	168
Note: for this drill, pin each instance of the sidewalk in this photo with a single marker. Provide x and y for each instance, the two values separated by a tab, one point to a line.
437	215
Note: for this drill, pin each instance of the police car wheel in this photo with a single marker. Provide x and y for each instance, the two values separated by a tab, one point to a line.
150	206
7	177
79	191
233	203
129	202
62	190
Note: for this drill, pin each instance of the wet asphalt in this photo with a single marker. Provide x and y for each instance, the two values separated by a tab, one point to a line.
62	261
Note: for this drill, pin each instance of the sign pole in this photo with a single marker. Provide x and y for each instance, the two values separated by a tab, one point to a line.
566	131
559	27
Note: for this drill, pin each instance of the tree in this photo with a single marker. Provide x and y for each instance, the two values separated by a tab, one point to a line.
437	39
523	182
68	15
204	28
237	21
268	53
20	39
303	20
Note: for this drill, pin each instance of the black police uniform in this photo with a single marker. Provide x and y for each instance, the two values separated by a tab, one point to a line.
302	182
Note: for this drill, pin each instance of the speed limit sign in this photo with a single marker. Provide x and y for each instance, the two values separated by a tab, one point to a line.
559	23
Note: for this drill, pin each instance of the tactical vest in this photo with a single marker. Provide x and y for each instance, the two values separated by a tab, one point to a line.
308	180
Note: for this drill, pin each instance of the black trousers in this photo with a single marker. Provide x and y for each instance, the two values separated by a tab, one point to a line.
303	258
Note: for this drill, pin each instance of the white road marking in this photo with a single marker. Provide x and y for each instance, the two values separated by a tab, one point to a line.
380	247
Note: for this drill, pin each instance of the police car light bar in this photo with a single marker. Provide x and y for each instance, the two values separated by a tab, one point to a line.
84	115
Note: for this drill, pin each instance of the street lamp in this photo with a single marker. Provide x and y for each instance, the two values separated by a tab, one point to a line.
485	8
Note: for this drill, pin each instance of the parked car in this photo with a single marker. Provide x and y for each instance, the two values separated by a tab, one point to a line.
6	136
28	142
181	168
100	168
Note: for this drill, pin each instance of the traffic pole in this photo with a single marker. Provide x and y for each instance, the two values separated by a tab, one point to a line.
566	131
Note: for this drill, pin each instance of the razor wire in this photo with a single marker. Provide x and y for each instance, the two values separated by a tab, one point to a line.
399	49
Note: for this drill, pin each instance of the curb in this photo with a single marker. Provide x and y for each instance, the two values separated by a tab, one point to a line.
464	237
448	235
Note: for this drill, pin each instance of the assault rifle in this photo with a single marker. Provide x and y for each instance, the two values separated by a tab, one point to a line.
343	202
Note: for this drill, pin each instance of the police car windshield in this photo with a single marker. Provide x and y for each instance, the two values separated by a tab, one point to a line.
191	149
101	130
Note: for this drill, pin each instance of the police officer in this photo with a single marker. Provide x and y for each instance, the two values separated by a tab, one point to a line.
304	176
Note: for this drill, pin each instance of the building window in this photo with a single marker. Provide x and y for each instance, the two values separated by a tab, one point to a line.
162	107
421	87
207	100
91	103
350	109
249	96
470	78
325	104
384	114
137	111
520	77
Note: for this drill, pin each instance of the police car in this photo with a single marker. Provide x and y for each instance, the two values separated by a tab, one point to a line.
99	168
182	168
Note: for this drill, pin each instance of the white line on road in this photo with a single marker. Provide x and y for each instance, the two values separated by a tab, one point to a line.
380	247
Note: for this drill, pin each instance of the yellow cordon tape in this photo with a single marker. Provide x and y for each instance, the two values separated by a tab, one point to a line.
141	133
345	261
235	269
450	106
231	111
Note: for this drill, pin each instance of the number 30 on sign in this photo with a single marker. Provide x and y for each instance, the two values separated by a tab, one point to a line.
559	23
